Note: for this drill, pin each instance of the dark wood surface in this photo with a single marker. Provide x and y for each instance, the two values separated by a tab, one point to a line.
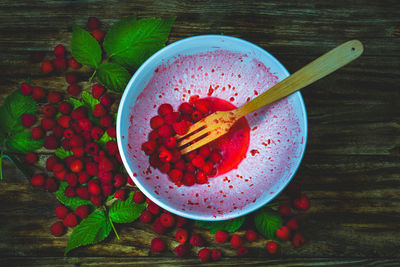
351	168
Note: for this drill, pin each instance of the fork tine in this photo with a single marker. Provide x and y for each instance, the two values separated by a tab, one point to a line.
193	128
194	136
211	137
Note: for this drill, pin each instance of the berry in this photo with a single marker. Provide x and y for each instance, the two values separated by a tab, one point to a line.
167	220
156	122
293	224
165	131
69	191
181	236
105	100
48	124
283	233
208	167
180	221
198	161
158	228
58	131
215	254
170	142
91	168
149	147
94	188
26	89
93	23
284	210
105	165
61	211
181	127
97	90
57	229
50	185
215	156
165	156
112	132
71	78
138	197
146	217
57	167
105	177
50	142
65	108
236	241
112	148
37	133
164	109
49	111
50	162
72	179
205	151
96	133
60	63
157	245
99	110
83	192
79	113
64	121
76	166
189	167
82	211
201	177
119	180
78	151
302	203
175	175
171	118
106	121
242	251
38	93
73	89
37	180
188	179
70	220
197	115
204	254
47	67
96	200
272	247
202	105
186	108
251	235
221	236
107	189
54	97
196	240
298	240
181	251
153	208
85	124
72	63
59	50
31	157
83	177
76	141
28	120
120	194
98	35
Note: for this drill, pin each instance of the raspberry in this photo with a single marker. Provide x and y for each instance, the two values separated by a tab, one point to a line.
181	251
181	236
58	131
149	147
85	124
157	245
96	200
28	120
165	131
83	177
171	118
71	179
186	108
91	168
221	236
198	161
120	194
78	151
93	23
105	177
167	220
60	63
185	117
73	89
83	192
107	189
197	115
164	109
79	113
284	210
170	142
298	240
153	208
98	35
196	240
31	157
49	111
236	241
272	247
138	197
119	180
112	148
201	177
69	191
283	233
189	167
72	63
47	67
50	162
202	105
251	235
60	175
65	108
94	188
26	89
71	78
106	121
188	179
293	224
112	132
70	220
99	110
180	165
105	165
37	180
302	203
156	122
176	155
50	142
64	121
242	251
82	211
54	97
57	229
96	133
47	123
215	156
165	156
215	254
204	254
76	141
181	127
165	167
180	221
57	167
37	133
59	50
76	165
145	217
37	56
175	175
61	211
105	100
38	93
208	167
50	185
158	228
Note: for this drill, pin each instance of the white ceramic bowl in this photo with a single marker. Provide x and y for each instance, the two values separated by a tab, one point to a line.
236	70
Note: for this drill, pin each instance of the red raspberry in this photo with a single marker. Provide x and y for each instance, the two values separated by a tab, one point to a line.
283	233
106	121
76	166
158	228
204	254
145	217
164	109
176	155
186	108
71	78
96	200
72	63
74	89
149	147
181	127
92	168
119	180
107	189
64	121
94	188
106	165
167	220
189	167
65	108
50	142
196	240
71	179
157	245
57	167
120	194
69	191
242	251
76	141
272	247
175	175
181	251
153	136
70	220
105	100
26	89
50	185
180	221
85	124
185	117
302	203
49	111
58	131
59	50
60	63
153	208
188	179
78	151
31	157
112	132
48	124
180	165
165	131
215	156
165	167
83	192
284	210
60	175
97	90
99	110
181	236
50	162
47	67
197	115
61	211
170	142
251	235
221	236
205	151
96	133
57	229
105	177
28	120
112	148
202	105
208	167
298	240
83	177
171	118
79	113
201	177
138	197
198	161
215	254
38	93
165	156
37	56
293	224
37	180
156	122
82	211
54	97
98	35
37	133
93	23
236	241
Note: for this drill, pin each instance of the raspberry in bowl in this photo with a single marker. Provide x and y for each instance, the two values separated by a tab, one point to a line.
184	82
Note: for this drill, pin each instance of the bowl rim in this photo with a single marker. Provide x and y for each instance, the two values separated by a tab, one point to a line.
122	148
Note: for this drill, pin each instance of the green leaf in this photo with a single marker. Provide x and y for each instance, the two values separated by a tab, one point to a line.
228	225
267	222
104	139
126	211
113	76
22	142
62	153
72	202
89	100
74	102
84	48
93	229
130	42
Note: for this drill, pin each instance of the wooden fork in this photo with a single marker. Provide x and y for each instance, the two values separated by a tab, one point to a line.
219	123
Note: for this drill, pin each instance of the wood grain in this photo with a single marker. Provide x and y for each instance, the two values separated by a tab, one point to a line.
351	169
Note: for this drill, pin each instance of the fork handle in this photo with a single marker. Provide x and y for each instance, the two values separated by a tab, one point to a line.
317	69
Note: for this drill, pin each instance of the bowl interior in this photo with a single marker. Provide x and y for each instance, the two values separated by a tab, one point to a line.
234	70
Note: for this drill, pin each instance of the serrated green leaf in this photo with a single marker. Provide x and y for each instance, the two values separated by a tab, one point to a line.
113	76
93	229
62	153
126	211
104	139
74	102
228	225
22	142
267	222
89	100
84	48
130	42
72	202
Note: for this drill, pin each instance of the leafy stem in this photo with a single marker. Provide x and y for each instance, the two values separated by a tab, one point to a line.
94	73
112	225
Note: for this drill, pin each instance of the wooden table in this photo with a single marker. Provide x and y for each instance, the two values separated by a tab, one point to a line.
351	168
